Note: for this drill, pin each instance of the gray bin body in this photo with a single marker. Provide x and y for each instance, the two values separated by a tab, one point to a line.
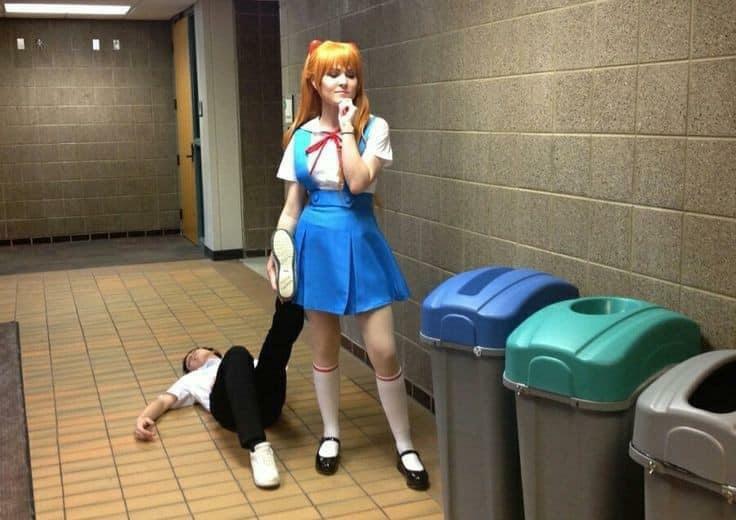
467	320
687	450
574	462
674	497
477	440
577	367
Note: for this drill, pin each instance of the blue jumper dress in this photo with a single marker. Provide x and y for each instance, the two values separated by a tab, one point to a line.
344	263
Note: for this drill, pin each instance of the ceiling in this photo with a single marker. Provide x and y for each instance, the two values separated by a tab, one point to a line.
140	10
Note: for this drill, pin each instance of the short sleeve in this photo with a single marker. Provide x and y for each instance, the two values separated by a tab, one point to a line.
181	391
286	168
379	142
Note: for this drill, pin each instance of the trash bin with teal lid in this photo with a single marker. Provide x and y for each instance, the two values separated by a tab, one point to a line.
685	437
577	367
467	320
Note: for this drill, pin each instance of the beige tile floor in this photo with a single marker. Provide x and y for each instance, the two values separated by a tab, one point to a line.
98	343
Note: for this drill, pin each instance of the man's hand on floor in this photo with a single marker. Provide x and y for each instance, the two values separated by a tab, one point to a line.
145	429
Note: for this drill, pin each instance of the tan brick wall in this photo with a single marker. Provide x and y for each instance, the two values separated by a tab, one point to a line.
88	139
259	71
593	140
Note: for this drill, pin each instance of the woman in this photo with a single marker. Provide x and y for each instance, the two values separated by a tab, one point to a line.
334	152
241	398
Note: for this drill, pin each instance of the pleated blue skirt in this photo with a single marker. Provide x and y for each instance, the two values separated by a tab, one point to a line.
344	263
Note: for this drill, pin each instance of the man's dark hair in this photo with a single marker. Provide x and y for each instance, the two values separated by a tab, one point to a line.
184	361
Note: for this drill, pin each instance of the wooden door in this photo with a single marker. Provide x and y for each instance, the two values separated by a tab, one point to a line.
185	135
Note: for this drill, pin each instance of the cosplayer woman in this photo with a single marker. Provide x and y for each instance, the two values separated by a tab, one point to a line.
241	397
334	153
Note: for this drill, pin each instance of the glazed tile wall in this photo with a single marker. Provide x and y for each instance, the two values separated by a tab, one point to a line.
260	118
591	139
88	139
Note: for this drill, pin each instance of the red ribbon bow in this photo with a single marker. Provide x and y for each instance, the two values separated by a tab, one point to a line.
320	145
313	45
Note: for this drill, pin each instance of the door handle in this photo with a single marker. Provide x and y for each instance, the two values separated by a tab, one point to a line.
191	148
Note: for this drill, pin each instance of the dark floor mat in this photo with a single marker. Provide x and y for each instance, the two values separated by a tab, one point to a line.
16	490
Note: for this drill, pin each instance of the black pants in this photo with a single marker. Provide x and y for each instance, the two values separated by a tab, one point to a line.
245	399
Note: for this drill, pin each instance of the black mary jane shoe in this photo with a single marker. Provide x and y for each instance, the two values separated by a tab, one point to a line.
418	480
327	465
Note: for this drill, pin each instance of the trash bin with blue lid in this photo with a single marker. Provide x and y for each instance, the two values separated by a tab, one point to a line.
467	320
685	437
577	367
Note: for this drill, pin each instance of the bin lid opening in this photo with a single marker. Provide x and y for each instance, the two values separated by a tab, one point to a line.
606	305
717	393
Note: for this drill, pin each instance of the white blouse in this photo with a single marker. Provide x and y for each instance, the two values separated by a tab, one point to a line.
325	173
196	386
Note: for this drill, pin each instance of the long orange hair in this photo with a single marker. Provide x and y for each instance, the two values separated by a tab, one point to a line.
321	57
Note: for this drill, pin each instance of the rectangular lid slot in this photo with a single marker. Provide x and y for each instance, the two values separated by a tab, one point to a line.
717	393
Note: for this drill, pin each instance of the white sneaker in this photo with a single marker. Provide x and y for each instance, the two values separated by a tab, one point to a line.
282	246
265	472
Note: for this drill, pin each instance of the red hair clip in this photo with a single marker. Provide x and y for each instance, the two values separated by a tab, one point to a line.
313	45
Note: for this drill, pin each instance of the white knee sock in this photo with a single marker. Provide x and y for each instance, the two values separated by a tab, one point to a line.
392	392
327	387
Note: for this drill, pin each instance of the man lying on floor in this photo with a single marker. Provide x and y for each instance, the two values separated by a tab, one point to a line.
243	396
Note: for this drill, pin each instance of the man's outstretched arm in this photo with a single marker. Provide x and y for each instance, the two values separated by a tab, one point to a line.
145	425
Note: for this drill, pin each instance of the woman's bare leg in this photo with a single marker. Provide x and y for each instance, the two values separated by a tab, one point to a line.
325	334
324	329
377	327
